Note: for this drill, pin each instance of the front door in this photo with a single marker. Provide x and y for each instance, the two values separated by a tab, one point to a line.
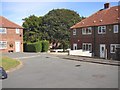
17	46
102	50
75	46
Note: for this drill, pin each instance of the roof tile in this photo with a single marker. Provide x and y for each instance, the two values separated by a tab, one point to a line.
102	17
7	23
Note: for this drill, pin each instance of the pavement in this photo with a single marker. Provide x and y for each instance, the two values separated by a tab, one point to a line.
87	59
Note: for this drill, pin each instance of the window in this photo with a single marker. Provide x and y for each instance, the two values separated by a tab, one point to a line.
101	29
3	30
83	47
113	47
115	28
87	47
86	31
3	44
17	31
83	30
89	30
74	31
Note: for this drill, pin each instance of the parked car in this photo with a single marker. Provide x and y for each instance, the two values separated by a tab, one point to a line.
3	74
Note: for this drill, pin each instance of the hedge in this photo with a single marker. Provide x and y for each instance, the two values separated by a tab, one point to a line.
25	47
33	47
40	46
45	46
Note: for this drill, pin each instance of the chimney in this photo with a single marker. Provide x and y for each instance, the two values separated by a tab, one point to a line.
106	5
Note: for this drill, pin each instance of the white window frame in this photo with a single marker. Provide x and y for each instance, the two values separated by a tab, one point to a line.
85	48
101	29
90	49
115	28
87	31
115	45
3	30
83	31
1	46
74	31
17	31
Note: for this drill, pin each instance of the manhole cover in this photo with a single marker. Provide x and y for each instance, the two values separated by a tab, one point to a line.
98	76
77	65
47	57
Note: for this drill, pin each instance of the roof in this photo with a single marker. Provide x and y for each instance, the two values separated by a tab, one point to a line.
102	17
7	23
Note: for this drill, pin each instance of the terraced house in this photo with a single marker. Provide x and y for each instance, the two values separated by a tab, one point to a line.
99	34
11	36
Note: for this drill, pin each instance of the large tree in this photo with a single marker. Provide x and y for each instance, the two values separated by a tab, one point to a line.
54	26
58	22
32	28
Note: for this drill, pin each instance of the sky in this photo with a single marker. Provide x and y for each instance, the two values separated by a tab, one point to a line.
16	11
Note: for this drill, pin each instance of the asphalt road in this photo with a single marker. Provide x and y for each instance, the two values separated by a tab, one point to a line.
47	71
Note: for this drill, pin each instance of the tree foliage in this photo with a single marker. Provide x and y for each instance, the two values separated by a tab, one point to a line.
32	28
58	22
54	26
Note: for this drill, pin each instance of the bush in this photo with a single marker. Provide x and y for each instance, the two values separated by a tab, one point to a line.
25	47
39	43
45	46
31	47
37	47
34	47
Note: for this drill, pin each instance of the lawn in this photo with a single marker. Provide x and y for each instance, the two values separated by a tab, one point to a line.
8	63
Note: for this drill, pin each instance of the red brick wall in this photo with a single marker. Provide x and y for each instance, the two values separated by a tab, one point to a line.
96	39
11	37
75	38
79	38
107	39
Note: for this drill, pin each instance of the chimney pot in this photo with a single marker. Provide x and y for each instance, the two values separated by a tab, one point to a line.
106	5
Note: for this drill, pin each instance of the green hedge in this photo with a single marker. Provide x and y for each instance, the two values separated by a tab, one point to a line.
38	46
25	47
45	46
33	47
41	46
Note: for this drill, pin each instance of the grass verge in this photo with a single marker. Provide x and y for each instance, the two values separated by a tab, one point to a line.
8	63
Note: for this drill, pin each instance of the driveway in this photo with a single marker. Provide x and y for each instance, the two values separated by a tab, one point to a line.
48	71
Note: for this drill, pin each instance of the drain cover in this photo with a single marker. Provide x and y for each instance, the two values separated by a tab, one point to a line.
77	65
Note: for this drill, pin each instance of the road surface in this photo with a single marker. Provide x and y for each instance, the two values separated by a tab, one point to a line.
48	71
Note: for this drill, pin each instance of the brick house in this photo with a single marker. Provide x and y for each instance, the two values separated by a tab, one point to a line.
11	36
99	33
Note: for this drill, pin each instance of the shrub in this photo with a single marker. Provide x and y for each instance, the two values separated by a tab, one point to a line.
34	47
25	47
39	46
45	46
31	47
